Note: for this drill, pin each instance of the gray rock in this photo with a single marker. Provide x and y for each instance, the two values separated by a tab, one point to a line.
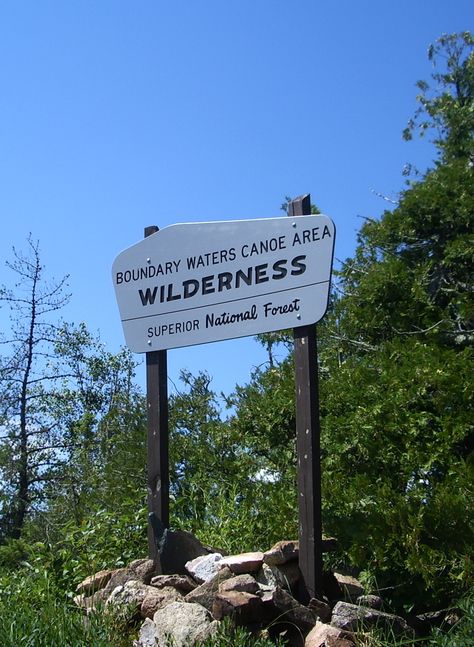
352	617
281	553
176	548
244	583
331	641
291	611
285	576
144	569
244	562
127	598
244	608
183	624
136	563
88	603
141	570
321	609
182	583
157	599
351	587
204	567
119	578
205	594
445	618
323	635
372	601
147	636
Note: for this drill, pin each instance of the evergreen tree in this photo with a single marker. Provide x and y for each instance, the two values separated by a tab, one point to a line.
398	432
395	354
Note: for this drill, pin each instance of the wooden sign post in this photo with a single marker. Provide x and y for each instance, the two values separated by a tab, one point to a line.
157	437
193	283
308	446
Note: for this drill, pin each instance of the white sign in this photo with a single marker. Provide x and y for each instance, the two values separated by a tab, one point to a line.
200	282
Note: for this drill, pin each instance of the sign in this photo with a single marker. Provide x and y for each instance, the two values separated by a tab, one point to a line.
195	283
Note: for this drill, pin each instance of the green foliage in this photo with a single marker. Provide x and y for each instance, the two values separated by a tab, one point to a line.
35	613
12	553
397	438
224	489
105	539
397	383
396	389
265	416
446	108
462	633
412	271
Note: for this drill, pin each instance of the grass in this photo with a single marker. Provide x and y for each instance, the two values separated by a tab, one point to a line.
462	633
34	613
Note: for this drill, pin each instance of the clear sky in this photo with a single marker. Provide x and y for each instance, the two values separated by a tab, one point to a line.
116	115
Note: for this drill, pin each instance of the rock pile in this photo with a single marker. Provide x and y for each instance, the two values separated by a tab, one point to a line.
257	590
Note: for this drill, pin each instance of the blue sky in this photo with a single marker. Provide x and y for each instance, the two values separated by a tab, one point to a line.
116	115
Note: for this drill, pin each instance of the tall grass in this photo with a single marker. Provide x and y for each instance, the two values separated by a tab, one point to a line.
34	613
37	612
462	633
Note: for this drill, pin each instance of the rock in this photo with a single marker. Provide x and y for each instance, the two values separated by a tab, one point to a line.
352	617
176	548
332	641
181	583
243	563
127	598
321	609
322	635
147	635
204	567
243	608
289	610
445	618
144	569
88	603
134	564
281	553
243	583
351	587
141	570
157	599
94	582
182	625
285	576
372	601
331	587
205	594
119	577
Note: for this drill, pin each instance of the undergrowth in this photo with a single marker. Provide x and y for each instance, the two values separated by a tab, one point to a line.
35	613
